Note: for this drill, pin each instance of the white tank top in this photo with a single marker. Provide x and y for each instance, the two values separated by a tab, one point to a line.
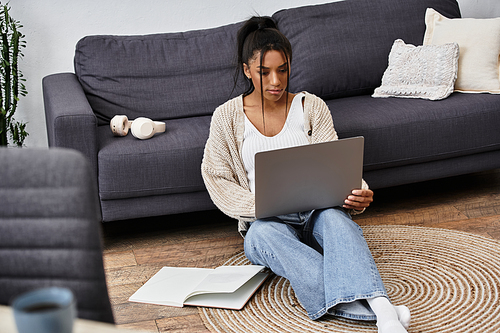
292	134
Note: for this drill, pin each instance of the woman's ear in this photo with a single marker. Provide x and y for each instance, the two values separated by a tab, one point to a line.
246	70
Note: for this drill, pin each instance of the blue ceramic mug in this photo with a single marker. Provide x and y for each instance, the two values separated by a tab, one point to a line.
47	310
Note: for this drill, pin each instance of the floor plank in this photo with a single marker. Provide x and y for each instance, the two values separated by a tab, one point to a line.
149	326
185	324
206	251
134	250
119	259
130	312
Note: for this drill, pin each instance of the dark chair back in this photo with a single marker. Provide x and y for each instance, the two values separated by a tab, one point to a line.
50	228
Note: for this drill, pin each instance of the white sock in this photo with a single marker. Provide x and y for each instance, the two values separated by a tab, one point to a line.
404	315
390	319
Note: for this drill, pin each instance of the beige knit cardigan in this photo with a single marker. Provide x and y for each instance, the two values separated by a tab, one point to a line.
222	167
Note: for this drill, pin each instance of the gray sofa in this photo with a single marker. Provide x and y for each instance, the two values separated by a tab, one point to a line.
340	53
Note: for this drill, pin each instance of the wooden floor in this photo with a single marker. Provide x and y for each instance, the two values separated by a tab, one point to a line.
135	250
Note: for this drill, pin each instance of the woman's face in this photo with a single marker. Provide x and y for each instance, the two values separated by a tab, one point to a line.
274	74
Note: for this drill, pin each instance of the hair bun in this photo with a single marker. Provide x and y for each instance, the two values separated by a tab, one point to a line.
264	22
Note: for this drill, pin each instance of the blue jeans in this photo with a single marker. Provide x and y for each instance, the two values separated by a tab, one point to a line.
324	256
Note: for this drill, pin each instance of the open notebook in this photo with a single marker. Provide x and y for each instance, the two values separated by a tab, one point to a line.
228	287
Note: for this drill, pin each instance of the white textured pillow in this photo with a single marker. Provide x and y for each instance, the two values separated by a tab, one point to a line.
479	42
427	72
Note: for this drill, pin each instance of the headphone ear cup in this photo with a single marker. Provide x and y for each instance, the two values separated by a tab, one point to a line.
119	125
143	128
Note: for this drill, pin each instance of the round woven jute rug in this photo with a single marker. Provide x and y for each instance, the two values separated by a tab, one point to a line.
450	280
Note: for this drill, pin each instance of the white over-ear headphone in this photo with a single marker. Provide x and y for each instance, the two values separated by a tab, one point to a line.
142	128
120	125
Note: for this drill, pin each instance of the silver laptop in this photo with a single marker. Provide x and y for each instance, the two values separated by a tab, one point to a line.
307	177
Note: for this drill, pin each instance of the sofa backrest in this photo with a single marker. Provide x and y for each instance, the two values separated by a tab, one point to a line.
341	48
160	76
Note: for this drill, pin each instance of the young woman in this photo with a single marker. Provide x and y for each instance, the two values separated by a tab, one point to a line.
321	252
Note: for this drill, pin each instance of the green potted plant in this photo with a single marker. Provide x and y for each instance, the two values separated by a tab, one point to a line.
11	78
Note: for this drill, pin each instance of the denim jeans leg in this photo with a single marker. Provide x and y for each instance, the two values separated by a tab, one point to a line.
350	273
277	246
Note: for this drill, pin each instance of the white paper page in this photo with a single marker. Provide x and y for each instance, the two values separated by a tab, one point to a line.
170	285
226	279
234	301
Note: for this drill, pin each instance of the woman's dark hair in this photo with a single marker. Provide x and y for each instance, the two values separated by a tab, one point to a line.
260	34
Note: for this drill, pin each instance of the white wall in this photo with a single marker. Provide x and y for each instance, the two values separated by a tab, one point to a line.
52	28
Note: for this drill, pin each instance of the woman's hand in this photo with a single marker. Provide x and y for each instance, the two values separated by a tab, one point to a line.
359	199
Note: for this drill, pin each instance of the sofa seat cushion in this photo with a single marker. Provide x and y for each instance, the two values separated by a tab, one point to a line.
167	163
341	48
400	132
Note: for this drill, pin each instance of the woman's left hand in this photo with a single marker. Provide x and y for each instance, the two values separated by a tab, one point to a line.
359	199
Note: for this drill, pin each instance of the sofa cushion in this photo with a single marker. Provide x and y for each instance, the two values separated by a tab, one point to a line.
401	132
160	76
479	41
341	48
167	163
427	72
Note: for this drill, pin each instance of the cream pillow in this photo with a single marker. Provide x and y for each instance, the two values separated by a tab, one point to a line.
479	42
427	72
